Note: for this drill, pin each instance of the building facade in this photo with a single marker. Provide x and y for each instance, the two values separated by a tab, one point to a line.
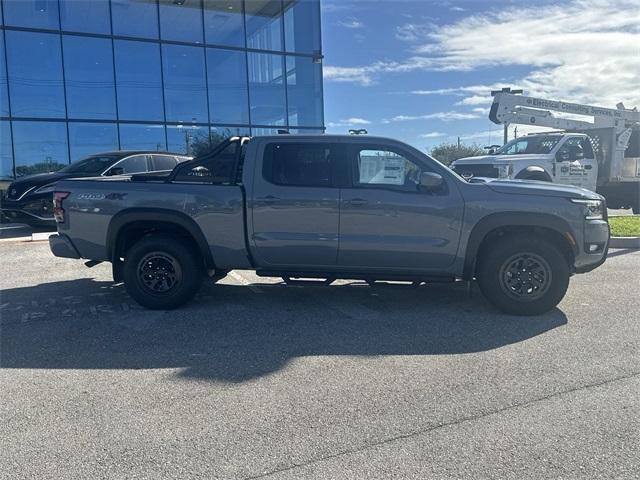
84	76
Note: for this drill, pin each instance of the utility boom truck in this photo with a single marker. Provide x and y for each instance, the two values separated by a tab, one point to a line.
600	152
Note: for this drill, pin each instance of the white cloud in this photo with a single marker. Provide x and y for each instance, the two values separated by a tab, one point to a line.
593	60
481	110
349	122
433	135
476	100
583	51
411	32
444	116
351	22
457	9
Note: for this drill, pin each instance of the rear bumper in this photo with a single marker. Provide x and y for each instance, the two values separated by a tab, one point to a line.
62	246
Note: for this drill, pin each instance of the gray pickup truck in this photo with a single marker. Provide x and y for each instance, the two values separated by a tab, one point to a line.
329	206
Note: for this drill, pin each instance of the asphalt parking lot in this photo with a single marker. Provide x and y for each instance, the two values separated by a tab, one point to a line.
259	380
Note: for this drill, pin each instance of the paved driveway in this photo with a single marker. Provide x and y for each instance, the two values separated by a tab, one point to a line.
255	379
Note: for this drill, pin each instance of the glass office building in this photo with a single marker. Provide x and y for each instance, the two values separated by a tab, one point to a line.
83	76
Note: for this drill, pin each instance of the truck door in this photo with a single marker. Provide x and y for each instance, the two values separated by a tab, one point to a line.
295	209
388	221
576	163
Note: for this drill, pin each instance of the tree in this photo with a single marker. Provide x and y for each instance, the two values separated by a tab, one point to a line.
449	152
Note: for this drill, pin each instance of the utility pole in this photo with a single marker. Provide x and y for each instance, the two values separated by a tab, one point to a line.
505	136
458	143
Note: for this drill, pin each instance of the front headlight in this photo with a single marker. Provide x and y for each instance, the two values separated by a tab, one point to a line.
46	188
505	171
594	209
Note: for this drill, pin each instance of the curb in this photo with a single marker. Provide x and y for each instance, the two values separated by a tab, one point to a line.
14	230
624	242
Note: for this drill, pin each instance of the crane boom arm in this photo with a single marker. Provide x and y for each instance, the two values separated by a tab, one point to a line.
521	109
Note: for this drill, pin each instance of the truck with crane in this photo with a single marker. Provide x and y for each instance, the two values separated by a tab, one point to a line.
592	147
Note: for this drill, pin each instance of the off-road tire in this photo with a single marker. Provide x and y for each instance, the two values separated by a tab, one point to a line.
157	262
523	275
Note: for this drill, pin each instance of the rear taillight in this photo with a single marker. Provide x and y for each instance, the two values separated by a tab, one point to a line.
58	211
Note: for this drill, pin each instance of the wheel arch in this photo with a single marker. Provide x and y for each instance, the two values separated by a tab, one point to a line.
534	171
129	225
495	225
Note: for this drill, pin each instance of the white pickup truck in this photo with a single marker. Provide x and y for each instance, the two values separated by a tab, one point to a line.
566	158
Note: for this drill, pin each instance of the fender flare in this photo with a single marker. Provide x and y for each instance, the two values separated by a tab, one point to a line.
494	221
160	215
533	170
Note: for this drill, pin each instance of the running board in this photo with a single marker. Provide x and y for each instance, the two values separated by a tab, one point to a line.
368	277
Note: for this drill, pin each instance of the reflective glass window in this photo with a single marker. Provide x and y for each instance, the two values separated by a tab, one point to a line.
227	76
266	89
6	154
87	139
135	18
223	22
264	24
304	90
302	26
181	20
40	147
219	134
138	80
88	66
185	90
32	13
85	16
142	137
188	139
35	74
4	93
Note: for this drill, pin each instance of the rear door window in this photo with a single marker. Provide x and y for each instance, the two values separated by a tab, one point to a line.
163	162
134	164
299	164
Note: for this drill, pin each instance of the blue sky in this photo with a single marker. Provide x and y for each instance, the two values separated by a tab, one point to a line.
421	71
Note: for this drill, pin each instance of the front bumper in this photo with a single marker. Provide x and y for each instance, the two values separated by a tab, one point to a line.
62	246
596	233
32	211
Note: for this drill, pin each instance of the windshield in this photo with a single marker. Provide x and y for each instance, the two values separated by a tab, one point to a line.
541	144
93	165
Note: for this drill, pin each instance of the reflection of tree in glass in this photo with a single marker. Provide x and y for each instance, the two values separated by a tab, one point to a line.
201	144
43	167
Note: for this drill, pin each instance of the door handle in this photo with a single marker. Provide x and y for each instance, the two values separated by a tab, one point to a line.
357	202
588	167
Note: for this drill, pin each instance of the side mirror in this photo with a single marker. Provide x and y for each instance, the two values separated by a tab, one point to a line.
116	171
562	156
430	180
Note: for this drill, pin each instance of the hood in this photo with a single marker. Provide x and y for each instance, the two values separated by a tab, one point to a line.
496	158
22	184
545	189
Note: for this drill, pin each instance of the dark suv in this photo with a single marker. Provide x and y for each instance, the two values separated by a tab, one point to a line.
29	199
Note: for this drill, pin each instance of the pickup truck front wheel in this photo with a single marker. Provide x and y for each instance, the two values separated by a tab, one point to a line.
161	273
522	275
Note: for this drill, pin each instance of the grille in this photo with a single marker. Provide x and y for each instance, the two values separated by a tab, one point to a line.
477	171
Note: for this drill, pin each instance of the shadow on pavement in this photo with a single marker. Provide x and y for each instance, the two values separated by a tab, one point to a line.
234	333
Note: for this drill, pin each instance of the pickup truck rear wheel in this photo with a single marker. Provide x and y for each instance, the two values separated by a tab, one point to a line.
161	273
522	275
